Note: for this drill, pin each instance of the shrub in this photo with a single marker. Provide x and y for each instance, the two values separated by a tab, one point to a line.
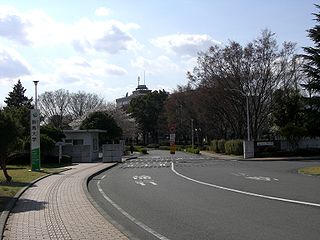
214	145
54	159
23	158
221	148
19	158
234	147
193	150
179	148
143	151
153	146
164	147
46	145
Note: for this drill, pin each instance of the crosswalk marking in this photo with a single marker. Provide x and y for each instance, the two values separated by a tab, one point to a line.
163	162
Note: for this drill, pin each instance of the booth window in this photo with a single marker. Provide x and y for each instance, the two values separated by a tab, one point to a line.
77	141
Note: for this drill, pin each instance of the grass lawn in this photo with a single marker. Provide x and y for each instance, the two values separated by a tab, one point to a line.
21	176
310	170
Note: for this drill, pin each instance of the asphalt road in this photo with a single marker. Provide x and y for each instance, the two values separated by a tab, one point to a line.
183	196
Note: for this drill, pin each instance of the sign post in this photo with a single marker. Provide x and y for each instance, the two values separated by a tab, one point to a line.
35	139
172	139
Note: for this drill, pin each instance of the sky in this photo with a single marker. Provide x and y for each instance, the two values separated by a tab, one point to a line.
102	46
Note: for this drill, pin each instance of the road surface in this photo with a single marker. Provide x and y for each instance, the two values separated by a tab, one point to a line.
184	196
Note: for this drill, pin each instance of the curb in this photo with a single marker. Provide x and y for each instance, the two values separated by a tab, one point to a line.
266	159
96	205
10	205
281	159
129	158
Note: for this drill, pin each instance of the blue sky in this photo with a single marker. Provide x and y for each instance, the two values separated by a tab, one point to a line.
102	46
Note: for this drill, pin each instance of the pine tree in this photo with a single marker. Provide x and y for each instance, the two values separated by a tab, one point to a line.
17	98
312	70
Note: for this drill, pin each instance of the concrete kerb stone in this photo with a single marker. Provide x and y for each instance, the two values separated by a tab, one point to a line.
128	158
99	209
269	159
274	159
10	205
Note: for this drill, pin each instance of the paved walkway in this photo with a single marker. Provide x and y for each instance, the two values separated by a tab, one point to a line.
57	208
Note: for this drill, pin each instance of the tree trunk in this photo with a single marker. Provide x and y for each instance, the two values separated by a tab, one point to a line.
5	172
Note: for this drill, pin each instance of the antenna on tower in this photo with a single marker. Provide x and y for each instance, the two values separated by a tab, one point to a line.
138	80
144	77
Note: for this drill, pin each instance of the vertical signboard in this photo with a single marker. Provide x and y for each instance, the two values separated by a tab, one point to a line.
35	139
172	139
172	143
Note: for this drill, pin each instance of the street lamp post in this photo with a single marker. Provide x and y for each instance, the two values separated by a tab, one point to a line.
36	94
248	117
192	137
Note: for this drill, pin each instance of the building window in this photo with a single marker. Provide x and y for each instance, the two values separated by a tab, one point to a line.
77	141
68	141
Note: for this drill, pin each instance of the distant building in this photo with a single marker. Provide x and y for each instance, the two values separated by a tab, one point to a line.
140	90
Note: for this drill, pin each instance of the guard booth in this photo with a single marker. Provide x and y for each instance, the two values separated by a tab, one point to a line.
82	145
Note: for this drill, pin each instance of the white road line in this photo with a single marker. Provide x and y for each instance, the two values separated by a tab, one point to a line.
140	182
123	212
245	193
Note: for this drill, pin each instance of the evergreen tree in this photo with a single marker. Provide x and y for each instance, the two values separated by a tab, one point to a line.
312	70
17	98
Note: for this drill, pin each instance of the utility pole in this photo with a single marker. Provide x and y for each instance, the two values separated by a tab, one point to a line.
192	137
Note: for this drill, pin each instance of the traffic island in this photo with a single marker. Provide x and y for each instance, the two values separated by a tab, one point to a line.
310	171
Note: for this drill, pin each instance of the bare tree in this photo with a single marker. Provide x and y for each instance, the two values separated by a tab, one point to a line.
230	75
82	103
53	104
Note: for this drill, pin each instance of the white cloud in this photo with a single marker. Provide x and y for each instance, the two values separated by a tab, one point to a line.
106	36
78	69
161	64
102	12
13	25
33	27
12	65
184	44
38	29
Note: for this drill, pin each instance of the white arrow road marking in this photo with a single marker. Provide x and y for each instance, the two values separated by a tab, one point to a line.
260	178
131	218
140	182
267	179
143	180
245	193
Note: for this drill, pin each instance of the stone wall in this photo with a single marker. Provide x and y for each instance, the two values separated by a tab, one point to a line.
112	152
79	153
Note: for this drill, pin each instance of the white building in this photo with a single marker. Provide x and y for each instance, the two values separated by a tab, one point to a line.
82	145
140	91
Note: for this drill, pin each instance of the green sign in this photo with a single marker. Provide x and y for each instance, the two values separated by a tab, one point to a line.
35	159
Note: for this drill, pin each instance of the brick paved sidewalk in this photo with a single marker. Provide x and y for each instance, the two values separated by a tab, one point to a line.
57	208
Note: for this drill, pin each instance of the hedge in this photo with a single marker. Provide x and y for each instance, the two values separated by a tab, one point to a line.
234	147
221	148
193	150
214	145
